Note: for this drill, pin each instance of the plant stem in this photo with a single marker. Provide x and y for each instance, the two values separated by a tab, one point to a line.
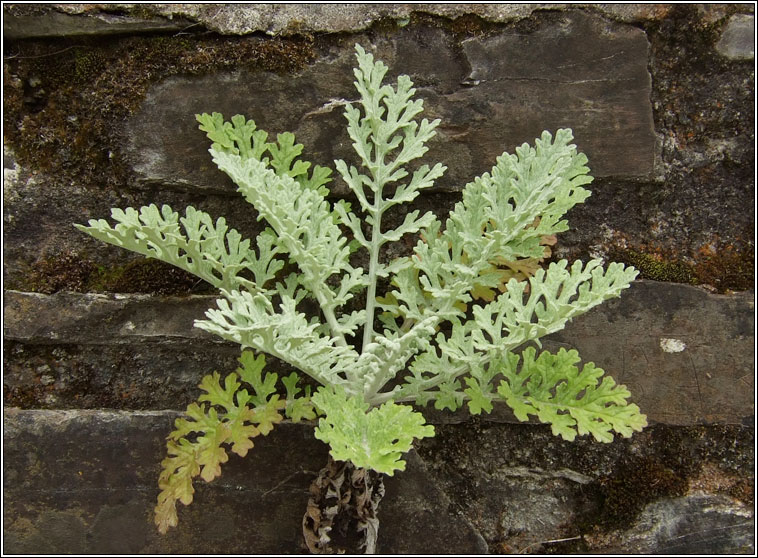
376	234
331	319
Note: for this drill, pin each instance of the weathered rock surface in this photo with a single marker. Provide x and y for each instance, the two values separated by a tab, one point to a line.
111	122
85	482
103	351
328	18
98	106
500	91
738	39
525	490
56	24
686	355
695	524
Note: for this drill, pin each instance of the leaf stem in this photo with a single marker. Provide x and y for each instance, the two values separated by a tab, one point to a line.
331	319
376	237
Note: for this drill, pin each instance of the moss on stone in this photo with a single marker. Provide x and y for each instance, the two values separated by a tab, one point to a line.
723	267
635	485
653	266
70	271
67	271
146	275
67	93
729	267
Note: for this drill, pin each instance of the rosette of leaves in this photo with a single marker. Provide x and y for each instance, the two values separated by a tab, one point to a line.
459	324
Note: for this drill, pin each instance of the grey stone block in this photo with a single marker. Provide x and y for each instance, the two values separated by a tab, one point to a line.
86	481
595	71
685	354
574	70
79	482
85	351
56	24
738	38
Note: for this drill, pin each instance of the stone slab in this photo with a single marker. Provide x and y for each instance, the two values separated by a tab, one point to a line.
579	72
686	355
491	93
278	19
738	38
86	482
54	24
102	319
112	351
81	482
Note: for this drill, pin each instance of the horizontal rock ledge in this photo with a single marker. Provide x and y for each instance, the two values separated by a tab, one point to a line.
492	93
315	18
86	482
685	354
55	24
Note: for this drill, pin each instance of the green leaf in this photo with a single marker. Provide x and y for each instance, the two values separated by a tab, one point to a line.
253	321
553	388
555	296
297	408
374	439
240	137
251	372
210	251
478	398
222	396
224	415
448	396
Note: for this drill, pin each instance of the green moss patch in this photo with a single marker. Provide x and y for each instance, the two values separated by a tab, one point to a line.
722	266
70	271
656	268
63	96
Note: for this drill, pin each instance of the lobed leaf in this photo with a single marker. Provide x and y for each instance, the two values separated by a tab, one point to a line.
374	439
551	387
210	251
225	416
242	138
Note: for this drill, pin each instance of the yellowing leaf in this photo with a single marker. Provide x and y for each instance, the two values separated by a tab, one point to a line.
482	293
221	417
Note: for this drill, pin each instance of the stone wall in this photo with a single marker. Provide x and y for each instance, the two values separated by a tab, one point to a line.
99	350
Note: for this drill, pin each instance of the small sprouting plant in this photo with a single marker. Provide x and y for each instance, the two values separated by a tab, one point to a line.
457	323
